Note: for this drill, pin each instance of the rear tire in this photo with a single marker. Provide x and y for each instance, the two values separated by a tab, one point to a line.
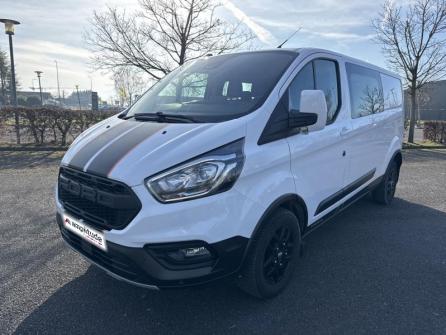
272	256
385	191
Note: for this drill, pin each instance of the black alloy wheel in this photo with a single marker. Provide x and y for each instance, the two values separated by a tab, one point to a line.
278	255
272	255
385	191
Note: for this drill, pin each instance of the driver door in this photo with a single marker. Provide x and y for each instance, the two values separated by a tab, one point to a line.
318	161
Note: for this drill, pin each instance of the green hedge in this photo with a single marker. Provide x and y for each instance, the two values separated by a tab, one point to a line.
435	131
49	125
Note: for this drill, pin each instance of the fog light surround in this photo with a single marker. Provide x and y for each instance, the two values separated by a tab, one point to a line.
185	255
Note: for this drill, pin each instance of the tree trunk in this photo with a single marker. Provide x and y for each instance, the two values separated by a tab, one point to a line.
63	139
17	126
413	111
54	134
35	135
33	128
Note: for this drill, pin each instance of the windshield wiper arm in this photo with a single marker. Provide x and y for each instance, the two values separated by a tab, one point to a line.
160	117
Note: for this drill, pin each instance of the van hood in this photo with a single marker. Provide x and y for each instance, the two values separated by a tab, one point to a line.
130	151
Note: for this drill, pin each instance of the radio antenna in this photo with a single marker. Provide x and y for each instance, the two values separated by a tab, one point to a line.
291	36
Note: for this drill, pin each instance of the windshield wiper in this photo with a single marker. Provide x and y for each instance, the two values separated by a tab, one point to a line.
161	117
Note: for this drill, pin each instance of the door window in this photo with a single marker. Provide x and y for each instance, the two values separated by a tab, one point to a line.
320	74
303	81
326	80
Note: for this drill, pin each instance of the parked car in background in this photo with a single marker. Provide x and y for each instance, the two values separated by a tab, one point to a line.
227	163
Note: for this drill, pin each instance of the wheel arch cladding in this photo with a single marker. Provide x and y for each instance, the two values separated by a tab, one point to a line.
292	202
398	158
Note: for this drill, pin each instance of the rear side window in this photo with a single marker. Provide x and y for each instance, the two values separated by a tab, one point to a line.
392	93
366	95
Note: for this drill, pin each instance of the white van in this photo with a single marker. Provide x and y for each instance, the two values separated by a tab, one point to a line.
227	163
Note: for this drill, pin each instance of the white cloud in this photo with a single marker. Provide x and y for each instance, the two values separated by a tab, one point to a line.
262	34
52	49
348	37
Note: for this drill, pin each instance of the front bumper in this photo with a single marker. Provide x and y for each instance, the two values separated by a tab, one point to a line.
147	267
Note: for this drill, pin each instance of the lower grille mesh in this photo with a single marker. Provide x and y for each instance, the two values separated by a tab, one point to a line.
100	202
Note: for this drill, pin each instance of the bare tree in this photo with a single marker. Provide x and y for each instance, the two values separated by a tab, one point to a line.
163	35
63	121
414	40
128	84
372	101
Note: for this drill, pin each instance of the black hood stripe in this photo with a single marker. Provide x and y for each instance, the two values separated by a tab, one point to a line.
82	157
105	161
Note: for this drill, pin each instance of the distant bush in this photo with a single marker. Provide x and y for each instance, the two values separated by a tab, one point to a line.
435	131
51	125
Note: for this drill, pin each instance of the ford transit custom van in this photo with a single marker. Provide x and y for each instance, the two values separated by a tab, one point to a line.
227	163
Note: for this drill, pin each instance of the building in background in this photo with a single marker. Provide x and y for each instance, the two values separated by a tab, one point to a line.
431	101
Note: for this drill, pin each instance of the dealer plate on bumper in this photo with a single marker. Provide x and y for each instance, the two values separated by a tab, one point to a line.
89	234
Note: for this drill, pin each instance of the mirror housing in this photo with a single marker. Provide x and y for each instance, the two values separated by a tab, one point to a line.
313	110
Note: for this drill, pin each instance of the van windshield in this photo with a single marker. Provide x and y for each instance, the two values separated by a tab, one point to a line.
215	89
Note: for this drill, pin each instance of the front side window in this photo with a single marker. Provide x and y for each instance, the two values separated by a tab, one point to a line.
366	95
392	92
326	80
217	88
303	81
320	74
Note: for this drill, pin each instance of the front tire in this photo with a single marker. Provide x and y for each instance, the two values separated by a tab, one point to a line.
271	259
385	191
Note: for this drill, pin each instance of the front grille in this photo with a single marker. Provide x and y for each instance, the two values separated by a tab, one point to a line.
101	202
116	263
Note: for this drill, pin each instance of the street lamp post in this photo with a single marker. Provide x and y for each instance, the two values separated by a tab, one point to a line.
39	73
9	30
58	84
78	97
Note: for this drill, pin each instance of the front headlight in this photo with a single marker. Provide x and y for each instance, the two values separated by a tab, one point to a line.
210	173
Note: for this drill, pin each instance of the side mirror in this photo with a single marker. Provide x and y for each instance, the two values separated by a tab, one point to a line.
313	111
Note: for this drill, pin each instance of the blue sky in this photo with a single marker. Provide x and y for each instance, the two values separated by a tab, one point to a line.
52	30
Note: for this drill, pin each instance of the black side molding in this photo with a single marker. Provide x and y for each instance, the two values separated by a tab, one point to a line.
342	206
332	199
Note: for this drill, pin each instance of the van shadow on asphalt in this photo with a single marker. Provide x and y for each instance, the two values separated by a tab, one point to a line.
371	269
29	159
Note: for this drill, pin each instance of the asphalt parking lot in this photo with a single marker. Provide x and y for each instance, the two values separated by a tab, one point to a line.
372	269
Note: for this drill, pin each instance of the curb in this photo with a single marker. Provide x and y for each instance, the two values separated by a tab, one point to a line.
412	147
